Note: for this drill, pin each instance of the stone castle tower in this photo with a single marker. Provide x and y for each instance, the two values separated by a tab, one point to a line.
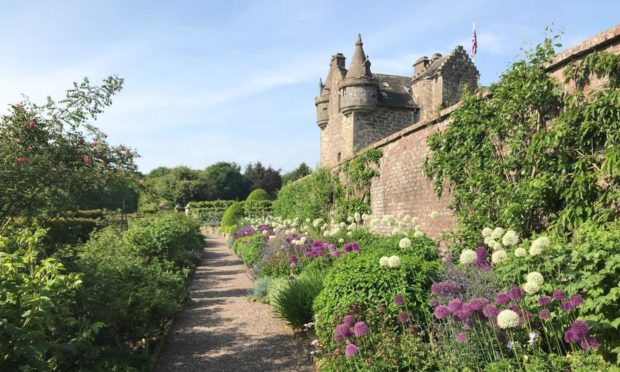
356	107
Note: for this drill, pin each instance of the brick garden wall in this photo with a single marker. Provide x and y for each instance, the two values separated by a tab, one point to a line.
402	185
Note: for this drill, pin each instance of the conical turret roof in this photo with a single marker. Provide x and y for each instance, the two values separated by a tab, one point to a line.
360	65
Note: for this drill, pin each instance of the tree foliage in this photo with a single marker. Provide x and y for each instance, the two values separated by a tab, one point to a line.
530	156
260	177
301	171
53	159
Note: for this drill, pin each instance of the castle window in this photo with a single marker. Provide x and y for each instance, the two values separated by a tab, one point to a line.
339	156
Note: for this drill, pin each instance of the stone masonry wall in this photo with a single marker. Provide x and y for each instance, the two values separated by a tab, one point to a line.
375	125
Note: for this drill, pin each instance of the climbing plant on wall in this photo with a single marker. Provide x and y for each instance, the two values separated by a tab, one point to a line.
529	155
356	175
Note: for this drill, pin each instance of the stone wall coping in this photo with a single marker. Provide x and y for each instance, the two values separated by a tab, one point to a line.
598	41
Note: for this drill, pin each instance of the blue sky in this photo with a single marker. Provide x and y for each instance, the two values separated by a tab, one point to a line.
209	81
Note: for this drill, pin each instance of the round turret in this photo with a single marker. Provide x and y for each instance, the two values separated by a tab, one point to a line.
359	90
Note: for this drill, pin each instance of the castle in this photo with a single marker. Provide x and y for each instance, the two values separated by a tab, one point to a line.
356	108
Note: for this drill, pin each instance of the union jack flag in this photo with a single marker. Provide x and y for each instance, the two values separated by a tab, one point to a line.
474	44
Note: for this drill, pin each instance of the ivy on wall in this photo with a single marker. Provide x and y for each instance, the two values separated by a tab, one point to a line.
531	156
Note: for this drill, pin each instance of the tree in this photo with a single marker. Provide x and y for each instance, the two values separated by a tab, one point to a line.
301	171
228	182
260	177
51	156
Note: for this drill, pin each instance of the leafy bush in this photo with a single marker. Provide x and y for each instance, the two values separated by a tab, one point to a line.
69	230
425	248
168	236
38	328
258	195
231	217
249	248
310	197
359	280
293	302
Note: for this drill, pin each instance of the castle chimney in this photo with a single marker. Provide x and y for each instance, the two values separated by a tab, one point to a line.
435	57
339	57
420	65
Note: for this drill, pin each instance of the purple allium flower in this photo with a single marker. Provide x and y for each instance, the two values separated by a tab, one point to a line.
544	301
444	288
588	343
344	330
434	302
360	329
476	305
502	299
558	294
402	318
544	314
570	336
399	300
468	324
460	315
334	253
490	311
351	350
516	293
482	259
580	328
455	305
441	312
461	338
293	259
576	300
567	306
338	337
349	319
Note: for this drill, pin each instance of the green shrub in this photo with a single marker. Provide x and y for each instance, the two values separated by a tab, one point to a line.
359	280
260	289
293	302
422	247
258	195
133	295
231	217
311	197
38	328
249	248
169	236
69	230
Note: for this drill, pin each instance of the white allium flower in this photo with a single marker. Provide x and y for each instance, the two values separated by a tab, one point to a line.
499	257
350	233
303	240
365	217
326	233
374	221
293	231
418	234
486	232
357	217
317	222
497	233
535	277
343	225
510	238
406	219
417	228
386	218
531	287
434	214
488	240
414	220
336	231
396	231
520	252
535	250
287	232
265	232
496	246
384	261
507	319
349	219
394	262
400	215
341	240
352	226
468	257
404	243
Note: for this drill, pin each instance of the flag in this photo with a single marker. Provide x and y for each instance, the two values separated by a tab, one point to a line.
474	44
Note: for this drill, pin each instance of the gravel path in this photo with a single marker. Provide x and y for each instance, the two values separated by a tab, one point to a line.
220	330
